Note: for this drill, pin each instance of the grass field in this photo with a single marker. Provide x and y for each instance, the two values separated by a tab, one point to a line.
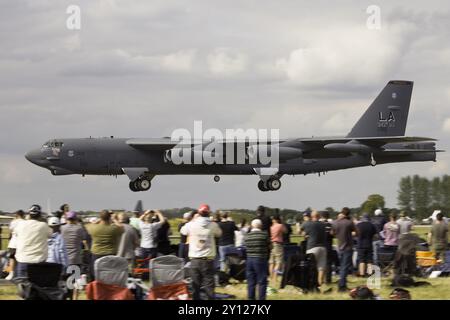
438	290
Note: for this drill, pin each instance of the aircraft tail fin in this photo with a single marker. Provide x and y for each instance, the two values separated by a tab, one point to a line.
388	113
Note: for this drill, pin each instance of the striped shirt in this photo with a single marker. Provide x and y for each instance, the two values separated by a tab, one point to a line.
257	244
57	252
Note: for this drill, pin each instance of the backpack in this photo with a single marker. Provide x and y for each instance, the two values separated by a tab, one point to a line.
362	293
400	294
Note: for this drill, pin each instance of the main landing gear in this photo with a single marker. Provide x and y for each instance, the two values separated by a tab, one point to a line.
272	184
140	184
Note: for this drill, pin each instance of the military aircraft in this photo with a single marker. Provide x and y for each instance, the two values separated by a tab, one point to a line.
377	138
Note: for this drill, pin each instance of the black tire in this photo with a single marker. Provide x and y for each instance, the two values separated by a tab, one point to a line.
262	186
143	184
132	186
274	184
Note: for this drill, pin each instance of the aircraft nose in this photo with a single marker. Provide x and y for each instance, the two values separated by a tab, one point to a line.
34	156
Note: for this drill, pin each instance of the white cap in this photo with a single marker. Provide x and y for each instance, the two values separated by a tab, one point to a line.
378	212
53	221
256	223
187	215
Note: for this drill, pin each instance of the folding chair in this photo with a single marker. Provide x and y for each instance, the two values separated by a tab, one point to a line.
167	277
111	274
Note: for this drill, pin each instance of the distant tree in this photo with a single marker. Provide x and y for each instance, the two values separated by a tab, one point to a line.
405	195
445	193
373	202
421	196
435	193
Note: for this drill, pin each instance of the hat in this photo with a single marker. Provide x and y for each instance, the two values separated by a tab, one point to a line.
204	208
307	213
53	221
71	215
378	212
34	210
187	215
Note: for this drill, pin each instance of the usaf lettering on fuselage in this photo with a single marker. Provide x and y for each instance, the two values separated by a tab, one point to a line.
386	121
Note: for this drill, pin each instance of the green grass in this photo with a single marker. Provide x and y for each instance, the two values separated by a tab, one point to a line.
439	290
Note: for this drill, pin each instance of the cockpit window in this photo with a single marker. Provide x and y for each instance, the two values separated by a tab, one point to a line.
52	144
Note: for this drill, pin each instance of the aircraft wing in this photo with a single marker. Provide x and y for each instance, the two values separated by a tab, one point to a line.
365	140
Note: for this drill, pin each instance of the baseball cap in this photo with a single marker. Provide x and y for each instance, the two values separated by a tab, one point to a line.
53	221
71	215
187	215
378	212
35	209
204	208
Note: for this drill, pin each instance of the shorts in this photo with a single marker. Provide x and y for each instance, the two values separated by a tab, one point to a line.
276	254
365	255
320	253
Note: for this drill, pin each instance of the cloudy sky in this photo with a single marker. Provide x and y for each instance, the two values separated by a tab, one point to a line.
144	68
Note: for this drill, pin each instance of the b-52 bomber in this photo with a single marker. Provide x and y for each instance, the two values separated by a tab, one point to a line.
378	137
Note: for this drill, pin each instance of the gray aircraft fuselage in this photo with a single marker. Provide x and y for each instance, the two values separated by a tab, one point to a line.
107	156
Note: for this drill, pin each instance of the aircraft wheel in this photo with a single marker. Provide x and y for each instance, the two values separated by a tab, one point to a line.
133	187
274	184
262	186
143	184
216	178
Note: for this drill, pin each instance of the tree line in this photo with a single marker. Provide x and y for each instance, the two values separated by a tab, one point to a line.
420	196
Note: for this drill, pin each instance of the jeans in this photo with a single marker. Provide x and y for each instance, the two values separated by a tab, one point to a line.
21	270
222	250
256	272
345	258
202	274
183	250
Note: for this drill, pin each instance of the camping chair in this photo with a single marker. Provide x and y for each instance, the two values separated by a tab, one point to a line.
167	277
425	259
42	283
141	269
386	258
111	274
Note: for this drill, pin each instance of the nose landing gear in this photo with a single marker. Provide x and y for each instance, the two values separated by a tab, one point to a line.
373	163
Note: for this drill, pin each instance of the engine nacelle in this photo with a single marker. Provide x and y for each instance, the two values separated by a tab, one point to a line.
186	155
60	172
284	153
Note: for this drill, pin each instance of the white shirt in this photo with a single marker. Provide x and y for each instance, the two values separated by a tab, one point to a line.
12	228
202	233
32	236
148	234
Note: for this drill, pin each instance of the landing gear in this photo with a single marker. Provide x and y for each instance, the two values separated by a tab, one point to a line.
133	187
141	184
273	184
216	178
373	163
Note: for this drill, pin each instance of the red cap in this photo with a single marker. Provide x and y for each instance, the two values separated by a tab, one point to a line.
204	208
